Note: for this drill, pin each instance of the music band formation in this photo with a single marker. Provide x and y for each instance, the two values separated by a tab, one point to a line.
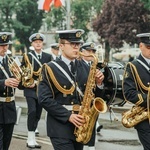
70	86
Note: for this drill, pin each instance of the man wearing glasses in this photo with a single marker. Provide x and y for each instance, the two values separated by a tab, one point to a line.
136	87
59	97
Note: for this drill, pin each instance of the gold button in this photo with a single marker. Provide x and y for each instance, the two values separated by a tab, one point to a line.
65	86
4	93
72	103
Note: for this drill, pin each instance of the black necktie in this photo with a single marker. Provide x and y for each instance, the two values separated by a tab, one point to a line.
39	57
72	64
89	63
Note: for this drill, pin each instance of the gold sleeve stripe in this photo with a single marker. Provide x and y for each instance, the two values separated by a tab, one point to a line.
140	99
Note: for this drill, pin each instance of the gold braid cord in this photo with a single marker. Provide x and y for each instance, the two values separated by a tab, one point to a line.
137	113
57	85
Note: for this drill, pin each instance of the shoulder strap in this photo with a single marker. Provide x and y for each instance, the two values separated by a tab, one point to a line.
36	59
145	66
69	78
4	71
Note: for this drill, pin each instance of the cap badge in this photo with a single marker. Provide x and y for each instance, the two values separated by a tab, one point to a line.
92	45
4	37
78	34
38	36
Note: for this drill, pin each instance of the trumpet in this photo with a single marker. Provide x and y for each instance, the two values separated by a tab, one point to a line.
14	68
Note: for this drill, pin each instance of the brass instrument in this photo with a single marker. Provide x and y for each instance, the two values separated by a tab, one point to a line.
134	116
137	113
14	68
91	106
27	69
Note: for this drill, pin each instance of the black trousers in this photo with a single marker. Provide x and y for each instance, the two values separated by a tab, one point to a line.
143	131
34	113
6	131
65	144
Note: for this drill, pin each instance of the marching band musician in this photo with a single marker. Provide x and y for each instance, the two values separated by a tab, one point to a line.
89	48
8	84
36	58
59	97
55	50
136	86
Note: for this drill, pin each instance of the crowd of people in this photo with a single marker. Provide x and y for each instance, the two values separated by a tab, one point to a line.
57	82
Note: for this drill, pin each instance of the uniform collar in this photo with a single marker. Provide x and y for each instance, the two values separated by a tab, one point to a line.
146	59
67	61
37	54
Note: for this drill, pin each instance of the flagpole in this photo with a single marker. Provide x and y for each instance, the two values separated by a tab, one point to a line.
68	14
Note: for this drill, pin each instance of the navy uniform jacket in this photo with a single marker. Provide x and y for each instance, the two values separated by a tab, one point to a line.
7	109
52	99
31	92
131	90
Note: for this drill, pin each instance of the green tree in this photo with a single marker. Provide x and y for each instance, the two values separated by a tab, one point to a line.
7	8
28	20
81	15
119	21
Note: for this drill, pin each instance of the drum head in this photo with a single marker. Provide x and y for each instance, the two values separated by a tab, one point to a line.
113	83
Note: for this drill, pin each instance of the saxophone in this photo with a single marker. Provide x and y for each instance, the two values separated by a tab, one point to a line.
134	116
137	113
91	106
27	69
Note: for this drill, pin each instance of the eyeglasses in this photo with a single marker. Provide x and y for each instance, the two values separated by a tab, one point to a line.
147	46
74	45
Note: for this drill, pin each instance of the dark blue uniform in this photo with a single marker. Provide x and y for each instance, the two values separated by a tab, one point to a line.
52	91
7	110
34	109
135	91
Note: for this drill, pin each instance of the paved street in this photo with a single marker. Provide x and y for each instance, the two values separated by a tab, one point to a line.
113	136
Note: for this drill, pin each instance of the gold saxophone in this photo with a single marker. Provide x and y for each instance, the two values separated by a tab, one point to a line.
27	69
134	116
137	113
91	106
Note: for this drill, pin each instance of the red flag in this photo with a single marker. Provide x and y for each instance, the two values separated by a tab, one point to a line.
45	4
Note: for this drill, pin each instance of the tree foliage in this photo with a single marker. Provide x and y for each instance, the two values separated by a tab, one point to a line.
28	20
7	8
81	15
121	20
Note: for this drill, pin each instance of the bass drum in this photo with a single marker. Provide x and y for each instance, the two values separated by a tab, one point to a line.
113	73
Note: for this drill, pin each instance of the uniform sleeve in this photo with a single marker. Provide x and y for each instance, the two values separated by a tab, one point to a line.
130	89
47	100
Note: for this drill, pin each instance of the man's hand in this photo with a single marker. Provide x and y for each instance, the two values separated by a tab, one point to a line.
12	82
77	120
99	77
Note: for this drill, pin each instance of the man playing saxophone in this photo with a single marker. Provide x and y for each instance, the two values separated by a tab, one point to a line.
31	66
136	90
8	83
61	88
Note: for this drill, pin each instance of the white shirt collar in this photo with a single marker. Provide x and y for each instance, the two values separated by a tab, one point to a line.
146	59
37	54
67	61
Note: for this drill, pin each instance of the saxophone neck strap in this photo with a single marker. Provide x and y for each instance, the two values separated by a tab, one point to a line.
36	59
144	65
68	77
